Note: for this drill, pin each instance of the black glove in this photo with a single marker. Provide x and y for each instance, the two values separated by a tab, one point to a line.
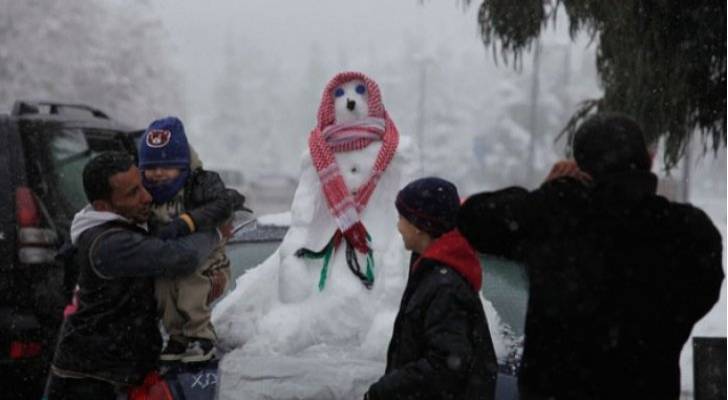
236	200
218	202
212	214
177	228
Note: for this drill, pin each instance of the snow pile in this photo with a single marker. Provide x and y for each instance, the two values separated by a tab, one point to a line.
286	339
279	219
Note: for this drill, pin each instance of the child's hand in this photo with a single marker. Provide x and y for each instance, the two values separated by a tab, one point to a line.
226	230
211	215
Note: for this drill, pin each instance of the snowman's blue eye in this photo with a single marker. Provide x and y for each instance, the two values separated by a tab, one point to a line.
360	89
339	92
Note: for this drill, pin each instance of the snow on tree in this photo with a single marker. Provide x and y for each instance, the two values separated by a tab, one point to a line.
106	55
662	62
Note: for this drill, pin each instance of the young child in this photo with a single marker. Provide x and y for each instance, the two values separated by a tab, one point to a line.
441	346
184	193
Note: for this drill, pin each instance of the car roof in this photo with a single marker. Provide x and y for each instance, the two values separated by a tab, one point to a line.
68	115
75	122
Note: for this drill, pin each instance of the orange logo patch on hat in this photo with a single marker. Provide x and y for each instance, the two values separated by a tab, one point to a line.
158	138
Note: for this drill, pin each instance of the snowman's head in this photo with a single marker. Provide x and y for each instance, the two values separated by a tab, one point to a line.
351	101
347	97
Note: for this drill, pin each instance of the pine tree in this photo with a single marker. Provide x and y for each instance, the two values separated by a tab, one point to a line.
660	61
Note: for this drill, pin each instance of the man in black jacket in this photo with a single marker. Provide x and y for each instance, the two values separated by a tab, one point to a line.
441	346
112	341
618	275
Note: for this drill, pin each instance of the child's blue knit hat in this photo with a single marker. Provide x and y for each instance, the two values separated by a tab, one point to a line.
164	144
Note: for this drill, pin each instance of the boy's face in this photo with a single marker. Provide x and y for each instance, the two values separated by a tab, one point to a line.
161	174
410	233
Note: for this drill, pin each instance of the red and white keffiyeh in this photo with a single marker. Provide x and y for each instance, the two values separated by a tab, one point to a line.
328	138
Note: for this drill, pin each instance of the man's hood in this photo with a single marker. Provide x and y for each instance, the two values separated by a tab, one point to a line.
89	218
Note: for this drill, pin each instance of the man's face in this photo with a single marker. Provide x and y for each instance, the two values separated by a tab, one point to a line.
128	197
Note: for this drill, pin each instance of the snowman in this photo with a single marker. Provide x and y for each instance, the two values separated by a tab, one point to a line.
350	152
320	310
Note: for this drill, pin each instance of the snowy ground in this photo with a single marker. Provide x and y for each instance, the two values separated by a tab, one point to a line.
714	323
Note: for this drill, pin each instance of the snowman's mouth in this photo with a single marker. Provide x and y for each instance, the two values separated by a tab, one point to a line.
350	104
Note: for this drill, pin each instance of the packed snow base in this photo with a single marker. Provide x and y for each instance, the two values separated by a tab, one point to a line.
314	320
286	339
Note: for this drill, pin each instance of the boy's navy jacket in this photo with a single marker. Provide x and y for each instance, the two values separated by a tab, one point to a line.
441	347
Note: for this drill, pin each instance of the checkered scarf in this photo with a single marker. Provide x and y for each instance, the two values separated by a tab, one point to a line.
328	138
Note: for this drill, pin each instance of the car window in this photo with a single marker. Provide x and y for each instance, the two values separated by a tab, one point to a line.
69	153
70	150
505	285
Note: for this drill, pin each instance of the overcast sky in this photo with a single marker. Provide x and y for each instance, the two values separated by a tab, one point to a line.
287	30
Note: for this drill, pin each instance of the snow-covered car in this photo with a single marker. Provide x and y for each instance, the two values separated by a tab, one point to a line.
505	286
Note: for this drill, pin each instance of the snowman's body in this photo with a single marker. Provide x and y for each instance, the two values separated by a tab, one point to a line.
279	314
313	227
349	306
289	338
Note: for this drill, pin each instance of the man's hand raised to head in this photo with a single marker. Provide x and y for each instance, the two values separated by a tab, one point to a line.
567	168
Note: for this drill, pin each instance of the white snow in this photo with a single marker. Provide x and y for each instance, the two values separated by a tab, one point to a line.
285	338
278	219
349	93
291	340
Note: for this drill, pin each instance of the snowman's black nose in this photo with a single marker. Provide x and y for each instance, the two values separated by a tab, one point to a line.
350	104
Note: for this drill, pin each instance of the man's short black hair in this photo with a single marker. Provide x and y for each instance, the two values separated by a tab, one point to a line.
100	169
608	143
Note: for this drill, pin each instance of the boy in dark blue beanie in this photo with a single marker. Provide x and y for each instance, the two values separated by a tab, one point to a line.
181	188
441	345
431	204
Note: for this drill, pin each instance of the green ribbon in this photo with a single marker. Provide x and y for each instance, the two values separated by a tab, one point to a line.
370	263
370	267
326	254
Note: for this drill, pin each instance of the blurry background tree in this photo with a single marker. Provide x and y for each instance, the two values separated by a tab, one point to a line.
661	61
103	54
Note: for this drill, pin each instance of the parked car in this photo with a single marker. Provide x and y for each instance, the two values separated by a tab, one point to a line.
505	285
43	149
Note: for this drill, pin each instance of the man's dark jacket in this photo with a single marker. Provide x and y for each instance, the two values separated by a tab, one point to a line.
114	335
618	277
441	346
